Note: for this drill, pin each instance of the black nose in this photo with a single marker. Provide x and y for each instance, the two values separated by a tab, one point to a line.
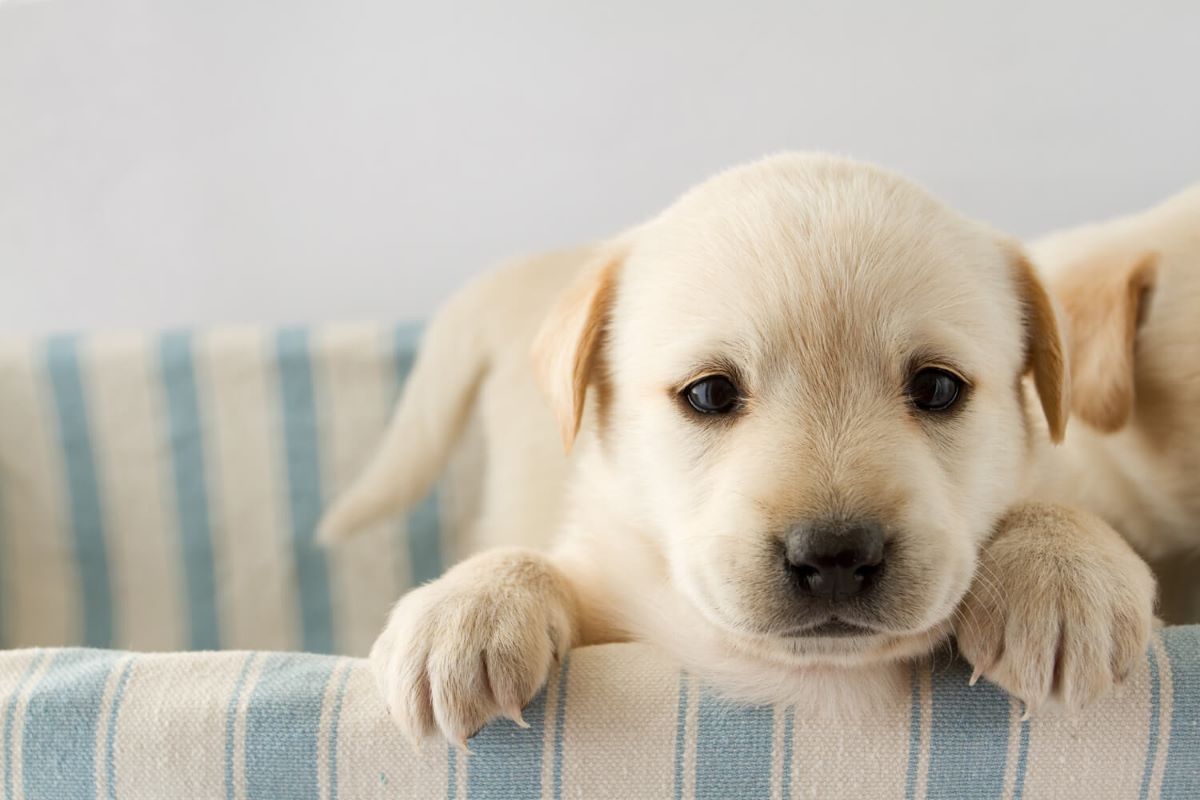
835	559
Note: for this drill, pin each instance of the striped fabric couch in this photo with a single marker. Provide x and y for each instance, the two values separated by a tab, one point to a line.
158	496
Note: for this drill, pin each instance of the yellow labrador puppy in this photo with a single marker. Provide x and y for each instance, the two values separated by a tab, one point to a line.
1130	289
801	455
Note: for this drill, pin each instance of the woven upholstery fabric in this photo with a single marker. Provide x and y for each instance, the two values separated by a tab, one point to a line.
615	722
160	492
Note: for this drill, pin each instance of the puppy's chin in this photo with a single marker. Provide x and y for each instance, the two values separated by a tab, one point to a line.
832	643
845	647
822	677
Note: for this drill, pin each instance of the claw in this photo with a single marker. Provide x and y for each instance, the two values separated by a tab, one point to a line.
516	717
975	676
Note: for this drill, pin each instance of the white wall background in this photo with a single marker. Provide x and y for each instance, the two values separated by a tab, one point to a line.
175	163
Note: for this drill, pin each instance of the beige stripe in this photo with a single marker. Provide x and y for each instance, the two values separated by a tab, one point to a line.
1015	710
192	691
822	736
799	750
460	774
374	757
690	737
926	683
129	429
1100	751
251	539
354	385
625	688
18	728
1166	705
42	603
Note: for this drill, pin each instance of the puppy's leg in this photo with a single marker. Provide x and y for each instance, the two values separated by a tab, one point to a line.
1061	607
475	644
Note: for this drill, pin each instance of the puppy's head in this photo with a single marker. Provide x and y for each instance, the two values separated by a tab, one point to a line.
807	381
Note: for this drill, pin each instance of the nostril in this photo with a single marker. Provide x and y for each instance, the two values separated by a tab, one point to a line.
806	575
868	573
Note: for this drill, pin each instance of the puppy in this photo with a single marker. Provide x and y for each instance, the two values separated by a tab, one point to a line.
1130	290
802	449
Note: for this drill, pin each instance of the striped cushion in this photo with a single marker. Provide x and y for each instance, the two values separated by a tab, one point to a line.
160	492
615	722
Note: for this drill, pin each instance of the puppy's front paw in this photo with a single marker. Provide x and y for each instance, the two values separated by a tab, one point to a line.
473	645
1061	608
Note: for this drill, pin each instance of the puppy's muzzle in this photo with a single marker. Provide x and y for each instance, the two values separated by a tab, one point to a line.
834	560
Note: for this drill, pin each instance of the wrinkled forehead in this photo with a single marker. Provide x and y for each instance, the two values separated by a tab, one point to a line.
753	270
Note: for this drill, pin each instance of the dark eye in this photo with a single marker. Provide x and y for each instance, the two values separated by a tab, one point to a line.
933	389
715	394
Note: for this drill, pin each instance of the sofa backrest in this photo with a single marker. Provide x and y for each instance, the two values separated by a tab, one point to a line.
160	492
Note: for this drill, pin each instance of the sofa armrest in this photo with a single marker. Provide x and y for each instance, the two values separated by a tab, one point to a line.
616	721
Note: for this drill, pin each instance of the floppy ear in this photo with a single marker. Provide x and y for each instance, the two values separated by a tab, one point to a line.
564	349
1045	355
1104	303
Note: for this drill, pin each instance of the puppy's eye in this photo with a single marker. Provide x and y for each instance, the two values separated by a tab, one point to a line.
715	394
933	389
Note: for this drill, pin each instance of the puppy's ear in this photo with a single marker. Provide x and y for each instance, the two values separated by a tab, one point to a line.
1105	301
1045	354
564	350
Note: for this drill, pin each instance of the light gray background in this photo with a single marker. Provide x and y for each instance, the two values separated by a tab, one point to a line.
175	163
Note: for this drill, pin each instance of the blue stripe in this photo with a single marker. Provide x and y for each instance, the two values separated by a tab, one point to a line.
789	744
968	742
423	530
1152	734
9	715
83	488
451	771
681	733
1181	778
914	733
1022	761
506	761
186	432
59	748
733	749
300	433
230	723
110	760
333	730
283	721
560	719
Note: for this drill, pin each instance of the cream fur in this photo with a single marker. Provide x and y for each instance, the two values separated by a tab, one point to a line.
1141	474
821	282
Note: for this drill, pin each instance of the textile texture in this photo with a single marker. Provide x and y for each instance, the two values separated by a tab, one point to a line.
616	721
160	492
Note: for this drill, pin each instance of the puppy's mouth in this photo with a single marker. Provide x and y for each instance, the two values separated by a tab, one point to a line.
833	628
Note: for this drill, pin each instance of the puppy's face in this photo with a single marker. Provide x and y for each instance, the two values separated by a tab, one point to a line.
809	384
